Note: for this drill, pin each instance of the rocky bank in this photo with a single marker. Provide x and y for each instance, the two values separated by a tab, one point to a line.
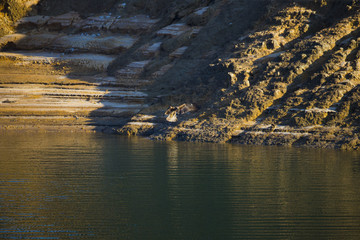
267	72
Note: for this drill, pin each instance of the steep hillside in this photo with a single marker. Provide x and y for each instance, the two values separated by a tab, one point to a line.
13	10
256	72
285	74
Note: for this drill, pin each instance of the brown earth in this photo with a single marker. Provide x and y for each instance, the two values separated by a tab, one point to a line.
260	72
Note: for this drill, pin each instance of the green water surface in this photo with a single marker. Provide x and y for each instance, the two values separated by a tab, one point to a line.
97	186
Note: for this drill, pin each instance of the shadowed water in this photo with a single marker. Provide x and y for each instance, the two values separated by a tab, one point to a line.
94	186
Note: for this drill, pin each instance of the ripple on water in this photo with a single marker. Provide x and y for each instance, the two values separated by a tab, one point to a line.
94	186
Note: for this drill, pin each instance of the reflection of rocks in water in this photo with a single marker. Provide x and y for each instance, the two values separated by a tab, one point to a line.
173	155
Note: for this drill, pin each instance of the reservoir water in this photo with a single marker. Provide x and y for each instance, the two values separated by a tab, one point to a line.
96	186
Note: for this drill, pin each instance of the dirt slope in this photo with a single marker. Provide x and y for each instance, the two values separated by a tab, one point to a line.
271	72
280	73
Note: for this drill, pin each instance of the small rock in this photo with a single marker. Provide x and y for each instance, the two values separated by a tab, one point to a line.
182	109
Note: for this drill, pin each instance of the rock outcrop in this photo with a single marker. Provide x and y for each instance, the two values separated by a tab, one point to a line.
53	73
291	79
262	72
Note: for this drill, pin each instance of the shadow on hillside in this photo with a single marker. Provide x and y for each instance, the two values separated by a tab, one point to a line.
112	102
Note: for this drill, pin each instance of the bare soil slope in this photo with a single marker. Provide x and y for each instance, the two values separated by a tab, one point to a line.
279	73
259	72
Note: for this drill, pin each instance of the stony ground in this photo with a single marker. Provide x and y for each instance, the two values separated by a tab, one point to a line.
260	72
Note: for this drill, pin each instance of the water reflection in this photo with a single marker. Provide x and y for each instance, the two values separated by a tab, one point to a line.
93	186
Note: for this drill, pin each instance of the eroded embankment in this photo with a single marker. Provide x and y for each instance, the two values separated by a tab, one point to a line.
256	72
293	79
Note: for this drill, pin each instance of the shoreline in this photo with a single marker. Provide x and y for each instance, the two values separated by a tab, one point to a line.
316	137
259	73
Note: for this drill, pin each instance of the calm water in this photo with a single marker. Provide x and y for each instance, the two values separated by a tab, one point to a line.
94	186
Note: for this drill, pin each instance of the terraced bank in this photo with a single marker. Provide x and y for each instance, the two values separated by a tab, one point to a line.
259	72
292	80
54	78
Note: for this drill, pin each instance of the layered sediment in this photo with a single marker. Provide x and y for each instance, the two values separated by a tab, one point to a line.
259	72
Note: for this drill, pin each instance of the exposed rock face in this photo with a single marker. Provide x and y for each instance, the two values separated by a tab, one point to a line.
53	73
11	11
290	80
262	72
